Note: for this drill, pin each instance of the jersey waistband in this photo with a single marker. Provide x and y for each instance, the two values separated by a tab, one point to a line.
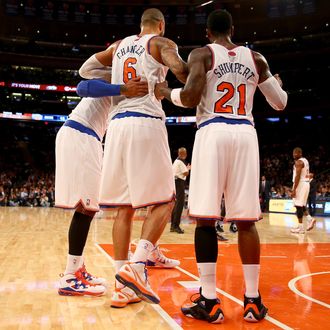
231	121
81	128
133	114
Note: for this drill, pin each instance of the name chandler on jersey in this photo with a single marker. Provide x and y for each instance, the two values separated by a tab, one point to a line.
232	67
134	49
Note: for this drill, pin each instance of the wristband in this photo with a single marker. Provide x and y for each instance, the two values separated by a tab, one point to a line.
175	97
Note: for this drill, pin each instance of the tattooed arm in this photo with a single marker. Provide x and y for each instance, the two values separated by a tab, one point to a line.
165	51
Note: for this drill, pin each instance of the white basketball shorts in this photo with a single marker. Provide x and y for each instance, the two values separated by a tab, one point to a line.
225	161
78	169
302	192
137	167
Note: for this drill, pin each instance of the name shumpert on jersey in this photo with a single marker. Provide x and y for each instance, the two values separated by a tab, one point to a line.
232	67
134	49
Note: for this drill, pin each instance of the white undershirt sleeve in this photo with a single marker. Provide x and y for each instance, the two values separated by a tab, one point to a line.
275	95
94	69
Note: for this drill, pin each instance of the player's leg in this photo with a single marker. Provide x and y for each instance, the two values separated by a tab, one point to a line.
148	148
121	236
205	193
310	220
77	187
242	206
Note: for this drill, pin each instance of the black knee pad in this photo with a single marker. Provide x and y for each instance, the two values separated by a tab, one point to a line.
304	209
299	212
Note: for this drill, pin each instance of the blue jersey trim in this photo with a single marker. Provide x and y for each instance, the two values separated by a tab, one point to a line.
133	114
231	121
81	128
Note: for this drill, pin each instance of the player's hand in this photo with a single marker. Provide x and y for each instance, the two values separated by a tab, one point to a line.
279	80
134	87
189	167
158	89
293	194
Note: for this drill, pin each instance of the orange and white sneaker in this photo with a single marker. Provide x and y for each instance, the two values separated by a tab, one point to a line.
91	278
121	297
157	259
76	285
310	224
135	276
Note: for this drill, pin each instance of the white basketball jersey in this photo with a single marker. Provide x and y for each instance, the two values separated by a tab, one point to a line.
93	113
230	85
304	176
132	59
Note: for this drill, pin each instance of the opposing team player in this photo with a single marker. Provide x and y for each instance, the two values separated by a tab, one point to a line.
77	180
137	169
300	191
222	81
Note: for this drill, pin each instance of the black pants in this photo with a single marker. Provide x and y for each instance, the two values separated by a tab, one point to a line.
311	205
179	203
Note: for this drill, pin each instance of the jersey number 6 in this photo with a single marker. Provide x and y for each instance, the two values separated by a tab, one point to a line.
221	107
129	71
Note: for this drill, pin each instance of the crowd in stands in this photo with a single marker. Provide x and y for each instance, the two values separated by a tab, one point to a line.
36	190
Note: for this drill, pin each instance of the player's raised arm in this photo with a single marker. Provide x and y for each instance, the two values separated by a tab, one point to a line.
199	62
269	85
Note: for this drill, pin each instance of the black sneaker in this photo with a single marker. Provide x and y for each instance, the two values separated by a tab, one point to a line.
219	226
221	238
233	227
254	310
177	230
204	309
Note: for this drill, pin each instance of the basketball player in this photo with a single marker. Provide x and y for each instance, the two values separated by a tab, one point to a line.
300	191
77	180
222	81
137	169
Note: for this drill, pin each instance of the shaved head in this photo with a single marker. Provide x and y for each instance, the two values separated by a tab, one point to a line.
152	16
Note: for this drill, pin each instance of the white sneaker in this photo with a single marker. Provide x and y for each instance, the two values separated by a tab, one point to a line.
311	224
91	278
121	297
76	285
298	230
157	259
134	275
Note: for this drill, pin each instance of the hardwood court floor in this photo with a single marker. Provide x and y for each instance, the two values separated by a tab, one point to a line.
295	276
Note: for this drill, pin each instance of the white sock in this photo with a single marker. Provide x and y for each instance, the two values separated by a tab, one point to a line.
308	217
251	277
118	265
207	274
142	251
73	264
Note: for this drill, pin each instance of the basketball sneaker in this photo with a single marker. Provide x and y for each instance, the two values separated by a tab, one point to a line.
76	285
219	226
233	228
135	276
310	224
221	238
205	309
157	259
298	230
121	297
254	310
91	278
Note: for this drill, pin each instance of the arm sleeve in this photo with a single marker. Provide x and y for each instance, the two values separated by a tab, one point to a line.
274	94
97	88
94	69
